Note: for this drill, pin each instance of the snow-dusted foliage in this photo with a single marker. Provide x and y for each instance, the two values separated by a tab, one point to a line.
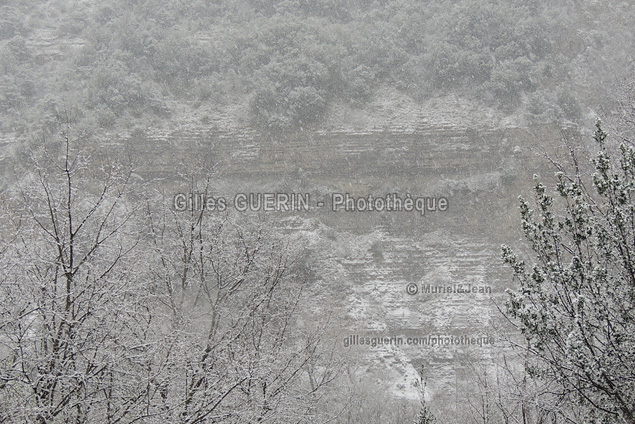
576	302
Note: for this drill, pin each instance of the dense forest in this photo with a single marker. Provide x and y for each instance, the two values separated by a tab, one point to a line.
286	61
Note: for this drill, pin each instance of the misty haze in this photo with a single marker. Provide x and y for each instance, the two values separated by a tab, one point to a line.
303	211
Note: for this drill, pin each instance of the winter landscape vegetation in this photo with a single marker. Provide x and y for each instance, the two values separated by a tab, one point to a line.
303	211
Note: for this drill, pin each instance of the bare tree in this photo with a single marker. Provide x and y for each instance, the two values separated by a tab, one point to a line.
72	315
230	299
110	315
502	390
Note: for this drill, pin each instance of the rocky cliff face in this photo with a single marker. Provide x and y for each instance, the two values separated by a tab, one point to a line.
422	288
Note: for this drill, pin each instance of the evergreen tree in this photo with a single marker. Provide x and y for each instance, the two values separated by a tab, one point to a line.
576	302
